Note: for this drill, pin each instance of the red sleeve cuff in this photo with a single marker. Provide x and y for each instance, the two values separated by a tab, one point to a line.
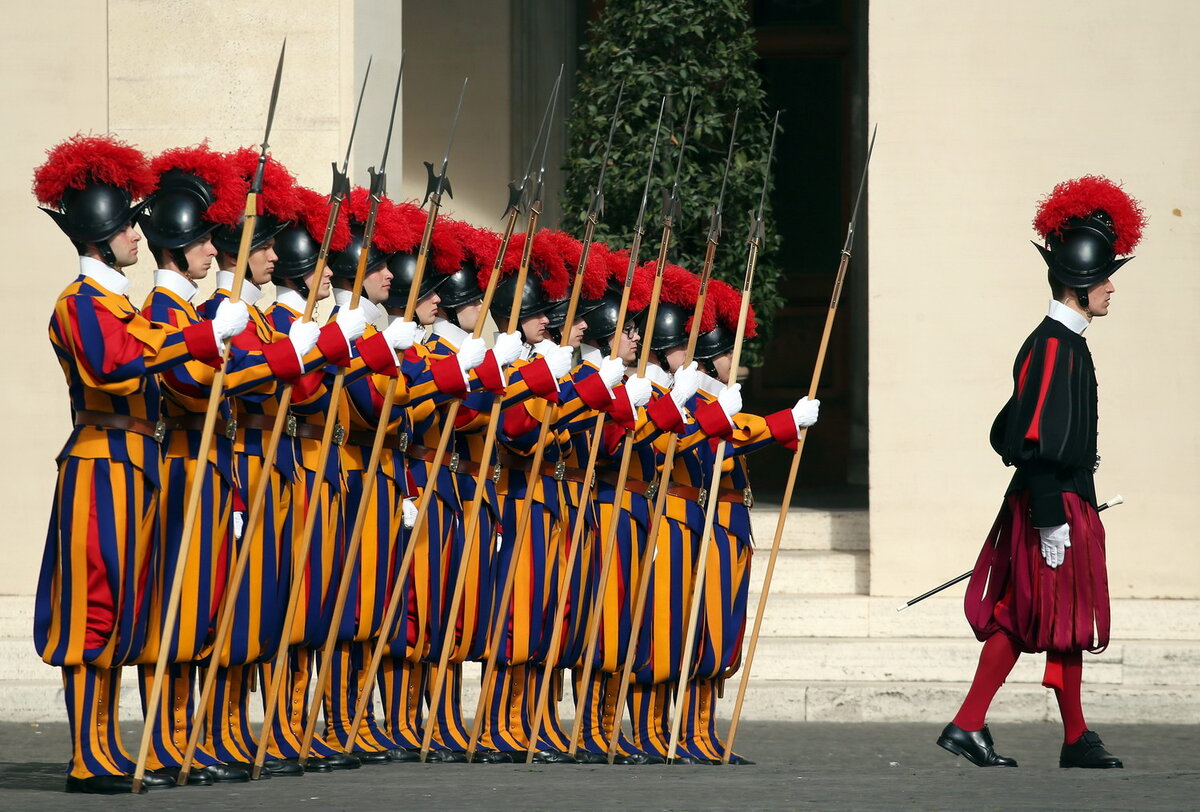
665	414
377	354
307	386
281	358
622	410
518	421
201	342
448	376
783	428
612	438
537	375
333	345
489	374
594	393
712	420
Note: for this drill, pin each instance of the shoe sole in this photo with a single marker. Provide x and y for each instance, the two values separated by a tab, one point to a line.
948	745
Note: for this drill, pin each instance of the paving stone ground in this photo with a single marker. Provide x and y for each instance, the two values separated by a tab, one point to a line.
800	765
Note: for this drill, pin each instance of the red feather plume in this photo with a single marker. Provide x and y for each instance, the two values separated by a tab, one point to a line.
313	215
398	226
550	260
598	272
643	287
680	286
728	301
480	245
1082	196
228	187
278	198
85	159
449	251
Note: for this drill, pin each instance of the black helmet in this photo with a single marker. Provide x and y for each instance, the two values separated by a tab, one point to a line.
533	298
1080	253
600	315
670	327
94	214
229	238
717	341
459	288
404	267
344	263
174	217
297	252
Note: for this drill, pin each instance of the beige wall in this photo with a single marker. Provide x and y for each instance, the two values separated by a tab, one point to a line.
982	108
64	74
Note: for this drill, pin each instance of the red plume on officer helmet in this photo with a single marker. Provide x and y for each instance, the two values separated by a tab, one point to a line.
598	275
227	186
1083	196
643	286
82	160
549	262
398	226
313	216
278	198
449	244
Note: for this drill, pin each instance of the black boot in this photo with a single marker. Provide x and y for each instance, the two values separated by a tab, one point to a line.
1088	751
973	745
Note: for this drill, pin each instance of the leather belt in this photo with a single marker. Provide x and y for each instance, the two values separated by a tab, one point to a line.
315	431
122	422
266	422
700	495
195	422
453	461
362	437
558	471
646	489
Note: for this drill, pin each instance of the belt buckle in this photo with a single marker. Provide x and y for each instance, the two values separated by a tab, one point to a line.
231	429
453	464
747	497
339	434
292	425
403	444
592	483
160	431
560	470
652	489
496	472
702	499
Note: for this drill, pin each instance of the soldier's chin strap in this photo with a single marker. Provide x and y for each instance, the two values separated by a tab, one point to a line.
102	248
180	257
1082	295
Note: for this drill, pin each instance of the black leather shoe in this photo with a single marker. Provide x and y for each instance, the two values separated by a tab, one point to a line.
197	777
317	764
372	756
973	745
403	755
450	756
688	760
492	757
1088	751
734	758
342	761
638	760
231	773
588	757
281	767
553	757
103	784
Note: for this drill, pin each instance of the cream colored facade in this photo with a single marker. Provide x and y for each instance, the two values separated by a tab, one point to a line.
982	108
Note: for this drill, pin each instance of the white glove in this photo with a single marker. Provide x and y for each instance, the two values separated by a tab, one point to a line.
507	348
470	354
352	322
1055	541
239	524
560	360
402	333
303	335
612	371
410	513
544	347
805	412
687	381
230	319
638	389
730	400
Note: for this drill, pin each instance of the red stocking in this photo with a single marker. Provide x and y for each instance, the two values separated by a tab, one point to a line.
1069	704
997	659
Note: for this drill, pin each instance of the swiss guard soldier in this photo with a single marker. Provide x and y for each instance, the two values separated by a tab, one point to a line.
1041	582
190	182
259	619
92	606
